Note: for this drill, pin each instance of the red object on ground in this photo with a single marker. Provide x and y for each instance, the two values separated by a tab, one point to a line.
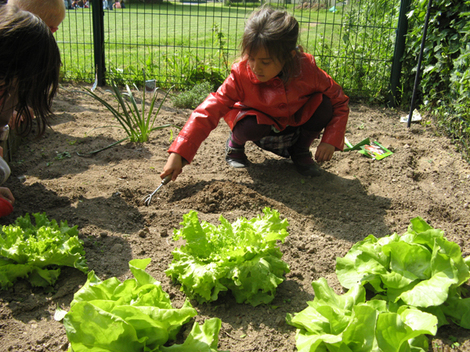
5	207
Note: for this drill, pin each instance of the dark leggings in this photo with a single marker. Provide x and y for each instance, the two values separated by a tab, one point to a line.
248	128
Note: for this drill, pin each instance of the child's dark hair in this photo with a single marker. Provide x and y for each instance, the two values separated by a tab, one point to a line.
277	32
29	66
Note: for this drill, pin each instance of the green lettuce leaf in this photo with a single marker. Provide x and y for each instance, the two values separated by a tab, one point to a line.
38	251
348	322
365	262
415	261
328	312
405	332
133	315
241	257
419	268
201	338
458	309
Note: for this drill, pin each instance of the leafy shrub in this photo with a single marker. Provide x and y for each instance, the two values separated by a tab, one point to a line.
443	88
37	251
192	98
448	24
187	68
359	62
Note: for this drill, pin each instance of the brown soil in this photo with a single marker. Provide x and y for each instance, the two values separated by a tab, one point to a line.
102	195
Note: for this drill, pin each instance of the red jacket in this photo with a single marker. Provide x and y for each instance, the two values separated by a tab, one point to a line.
272	102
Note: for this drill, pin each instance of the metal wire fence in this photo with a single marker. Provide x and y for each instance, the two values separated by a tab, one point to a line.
183	43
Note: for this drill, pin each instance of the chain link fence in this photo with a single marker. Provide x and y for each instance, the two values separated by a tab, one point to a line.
183	43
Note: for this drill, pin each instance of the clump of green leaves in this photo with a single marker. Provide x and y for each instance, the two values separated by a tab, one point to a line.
348	322
192	98
444	86
420	268
134	118
241	257
37	251
417	278
359	60
133	315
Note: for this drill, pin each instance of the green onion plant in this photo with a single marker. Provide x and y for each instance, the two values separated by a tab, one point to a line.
133	118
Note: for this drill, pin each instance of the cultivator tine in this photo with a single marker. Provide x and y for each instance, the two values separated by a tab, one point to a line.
148	199
167	179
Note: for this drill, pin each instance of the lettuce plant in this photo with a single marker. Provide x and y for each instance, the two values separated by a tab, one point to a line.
133	315
241	257
37	251
349	323
421	268
417	278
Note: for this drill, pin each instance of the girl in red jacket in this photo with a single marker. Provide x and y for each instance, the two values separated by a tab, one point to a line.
276	97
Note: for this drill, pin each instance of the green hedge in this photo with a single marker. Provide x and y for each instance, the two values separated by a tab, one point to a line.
444	88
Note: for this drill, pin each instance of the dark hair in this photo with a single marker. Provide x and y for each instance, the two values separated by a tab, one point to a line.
277	32
29	66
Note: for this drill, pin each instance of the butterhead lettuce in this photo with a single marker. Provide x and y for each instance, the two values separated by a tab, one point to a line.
349	323
241	257
133	315
420	268
38	251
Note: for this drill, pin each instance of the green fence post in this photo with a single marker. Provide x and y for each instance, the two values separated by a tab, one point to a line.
98	41
399	50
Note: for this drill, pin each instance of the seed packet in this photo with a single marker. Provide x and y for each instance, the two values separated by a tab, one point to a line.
375	150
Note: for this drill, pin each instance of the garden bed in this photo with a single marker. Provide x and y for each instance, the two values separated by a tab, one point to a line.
103	195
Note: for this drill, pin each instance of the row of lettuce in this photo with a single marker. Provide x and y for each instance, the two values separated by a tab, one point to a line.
416	281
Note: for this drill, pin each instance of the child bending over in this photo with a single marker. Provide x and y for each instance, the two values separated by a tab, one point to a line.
275	96
50	11
29	70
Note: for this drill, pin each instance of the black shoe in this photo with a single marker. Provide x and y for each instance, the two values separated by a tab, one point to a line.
305	165
235	157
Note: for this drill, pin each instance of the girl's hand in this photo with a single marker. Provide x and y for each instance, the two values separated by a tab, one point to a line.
324	152
6	193
173	166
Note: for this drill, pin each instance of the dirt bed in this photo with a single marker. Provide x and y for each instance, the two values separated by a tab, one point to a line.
102	195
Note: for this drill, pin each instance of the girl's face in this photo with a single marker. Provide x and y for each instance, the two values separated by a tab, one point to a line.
263	66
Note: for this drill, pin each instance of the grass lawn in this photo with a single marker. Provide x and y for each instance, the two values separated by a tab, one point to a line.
174	41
